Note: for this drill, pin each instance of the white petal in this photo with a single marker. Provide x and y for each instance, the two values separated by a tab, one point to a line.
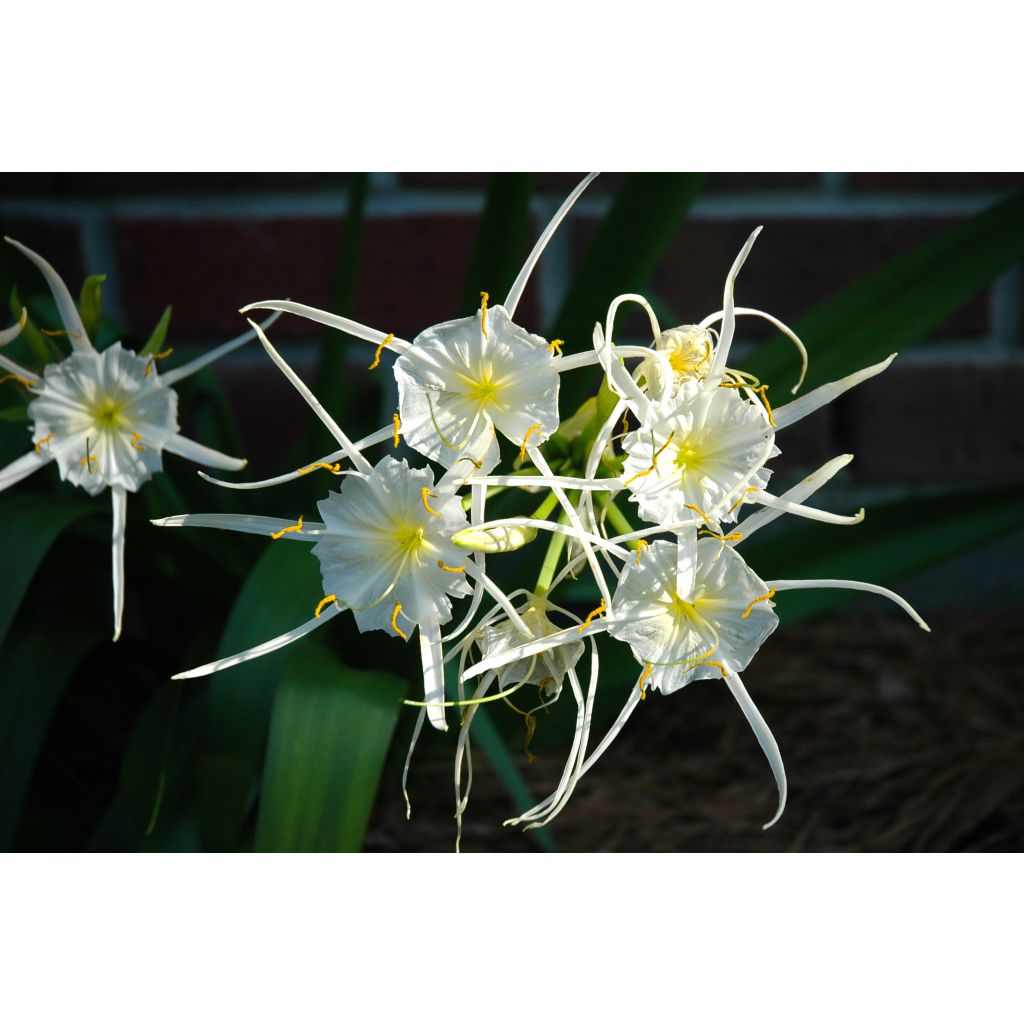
66	307
22	467
433	675
787	415
764	738
869	588
516	291
781	505
9	334
408	760
197	452
12	367
787	331
265	648
172	377
319	316
263	526
720	360
119	499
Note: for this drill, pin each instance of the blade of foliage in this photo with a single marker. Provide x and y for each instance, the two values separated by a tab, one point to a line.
156	340
329	735
898	305
89	303
643	220
280	592
895	540
32	522
35	672
500	242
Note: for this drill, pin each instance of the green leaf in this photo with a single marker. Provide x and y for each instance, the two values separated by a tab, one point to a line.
35	672
897	305
895	541
329	736
643	220
32	522
280	593
159	335
501	241
14	414
89	303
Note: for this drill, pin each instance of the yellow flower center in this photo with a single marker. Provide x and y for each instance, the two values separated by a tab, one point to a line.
689	457
108	414
410	539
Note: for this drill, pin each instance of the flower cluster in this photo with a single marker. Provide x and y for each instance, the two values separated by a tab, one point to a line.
676	435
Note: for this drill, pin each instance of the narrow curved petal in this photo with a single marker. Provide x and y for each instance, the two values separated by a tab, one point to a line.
262	526
781	505
527	650
619	378
16	368
22	467
196	452
571	483
764	738
721	357
788	414
171	377
320	316
66	307
119	500
9	334
868	588
796	494
433	674
516	291
775	322
408	761
340	436
265	648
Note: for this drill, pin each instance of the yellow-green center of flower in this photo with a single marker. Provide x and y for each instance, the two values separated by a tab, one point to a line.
410	539
108	414
689	457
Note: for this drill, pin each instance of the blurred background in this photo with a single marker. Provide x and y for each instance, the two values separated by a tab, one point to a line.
893	739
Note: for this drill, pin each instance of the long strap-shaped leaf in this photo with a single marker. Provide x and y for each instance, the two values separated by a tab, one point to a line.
329	736
897	305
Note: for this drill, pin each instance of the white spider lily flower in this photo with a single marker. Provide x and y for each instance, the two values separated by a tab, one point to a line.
105	418
462	382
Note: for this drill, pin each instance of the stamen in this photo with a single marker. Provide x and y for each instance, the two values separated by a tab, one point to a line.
641	545
46	440
332	467
716	664
739	500
500	695
526	438
599	610
556	346
484	299
24	381
440	434
466	458
158	355
394	622
654	460
424	493
763	597
297	528
700	512
329	599
764	398
136	442
648	669
531	726
88	459
625	423
720	536
380	348
398	427
448	568
59	334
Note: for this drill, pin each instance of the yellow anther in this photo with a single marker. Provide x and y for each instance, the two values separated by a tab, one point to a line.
329	599
740	500
700	512
466	458
88	460
394	622
599	610
18	377
136	442
158	355
424	494
716	664
720	536
380	348
297	528
648	669
625	423
764	398
448	568
641	545
556	346
763	597
637	476
654	461
59	334
526	438
45	440
398	427
484	299
332	467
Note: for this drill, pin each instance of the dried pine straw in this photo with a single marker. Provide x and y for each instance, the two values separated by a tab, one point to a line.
893	739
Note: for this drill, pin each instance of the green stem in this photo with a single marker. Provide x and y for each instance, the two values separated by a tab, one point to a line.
551	559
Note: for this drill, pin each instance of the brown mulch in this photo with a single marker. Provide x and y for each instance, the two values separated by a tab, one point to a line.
894	740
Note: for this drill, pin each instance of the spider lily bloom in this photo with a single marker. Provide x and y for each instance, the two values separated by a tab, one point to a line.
385	552
463	381
105	418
